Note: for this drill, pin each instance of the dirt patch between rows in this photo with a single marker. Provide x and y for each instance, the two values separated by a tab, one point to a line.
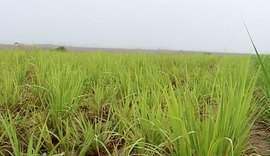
259	140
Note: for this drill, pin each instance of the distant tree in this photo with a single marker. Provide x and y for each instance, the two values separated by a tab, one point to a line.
16	43
61	48
207	53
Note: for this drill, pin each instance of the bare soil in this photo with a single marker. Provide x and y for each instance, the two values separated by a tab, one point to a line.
259	140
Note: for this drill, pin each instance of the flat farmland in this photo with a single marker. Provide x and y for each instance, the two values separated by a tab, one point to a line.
119	104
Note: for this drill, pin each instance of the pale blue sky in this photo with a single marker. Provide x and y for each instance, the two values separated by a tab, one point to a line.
212	25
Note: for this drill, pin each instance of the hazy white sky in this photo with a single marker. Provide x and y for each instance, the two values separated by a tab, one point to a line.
213	25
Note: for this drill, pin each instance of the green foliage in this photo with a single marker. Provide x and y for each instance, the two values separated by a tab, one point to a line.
61	49
264	76
125	104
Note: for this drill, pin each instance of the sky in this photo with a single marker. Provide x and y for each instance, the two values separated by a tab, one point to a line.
202	25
